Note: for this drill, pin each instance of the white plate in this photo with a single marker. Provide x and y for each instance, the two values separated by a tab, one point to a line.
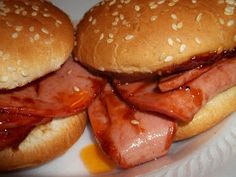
210	154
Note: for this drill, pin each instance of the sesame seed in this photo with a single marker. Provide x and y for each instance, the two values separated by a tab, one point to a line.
14	35
194	1
111	35
229	10
69	71
179	25
24	73
234	38
46	15
182	48
153	5
114	23
122	17
161	2
178	40
44	30
101	69
101	36
31	29
34	7
34	14
94	21
230	23
36	37
59	22
112	2
173	16
3	78
221	20
170	41
153	18
168	58
199	17
90	19
134	122
115	13
171	4
174	27
19	28
137	8
129	37
110	40
76	89
197	40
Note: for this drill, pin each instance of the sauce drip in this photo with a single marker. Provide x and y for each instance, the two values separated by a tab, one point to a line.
95	160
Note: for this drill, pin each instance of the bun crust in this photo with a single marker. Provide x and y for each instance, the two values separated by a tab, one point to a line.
36	38
145	37
44	143
212	113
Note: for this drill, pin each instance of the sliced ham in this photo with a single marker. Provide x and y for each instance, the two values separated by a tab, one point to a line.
174	82
128	136
12	120
13	137
184	102
60	94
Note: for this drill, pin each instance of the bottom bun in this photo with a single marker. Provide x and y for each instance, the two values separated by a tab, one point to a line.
212	113
44	143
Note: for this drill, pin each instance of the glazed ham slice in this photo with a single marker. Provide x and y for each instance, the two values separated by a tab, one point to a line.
174	82
184	102
128	136
62	93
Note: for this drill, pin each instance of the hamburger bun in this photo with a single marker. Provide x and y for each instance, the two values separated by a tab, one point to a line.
36	39
148	37
44	143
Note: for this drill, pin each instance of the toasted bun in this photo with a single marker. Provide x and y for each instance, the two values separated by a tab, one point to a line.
212	113
44	143
36	38
147	36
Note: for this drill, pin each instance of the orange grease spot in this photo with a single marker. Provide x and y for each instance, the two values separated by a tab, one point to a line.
95	160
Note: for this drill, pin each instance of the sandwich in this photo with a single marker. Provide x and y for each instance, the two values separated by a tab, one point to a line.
171	71
43	91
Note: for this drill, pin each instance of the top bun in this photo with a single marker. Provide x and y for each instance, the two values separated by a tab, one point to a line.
36	38
138	36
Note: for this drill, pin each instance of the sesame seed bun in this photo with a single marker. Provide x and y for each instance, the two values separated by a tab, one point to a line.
148	36
208	116
36	38
44	143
